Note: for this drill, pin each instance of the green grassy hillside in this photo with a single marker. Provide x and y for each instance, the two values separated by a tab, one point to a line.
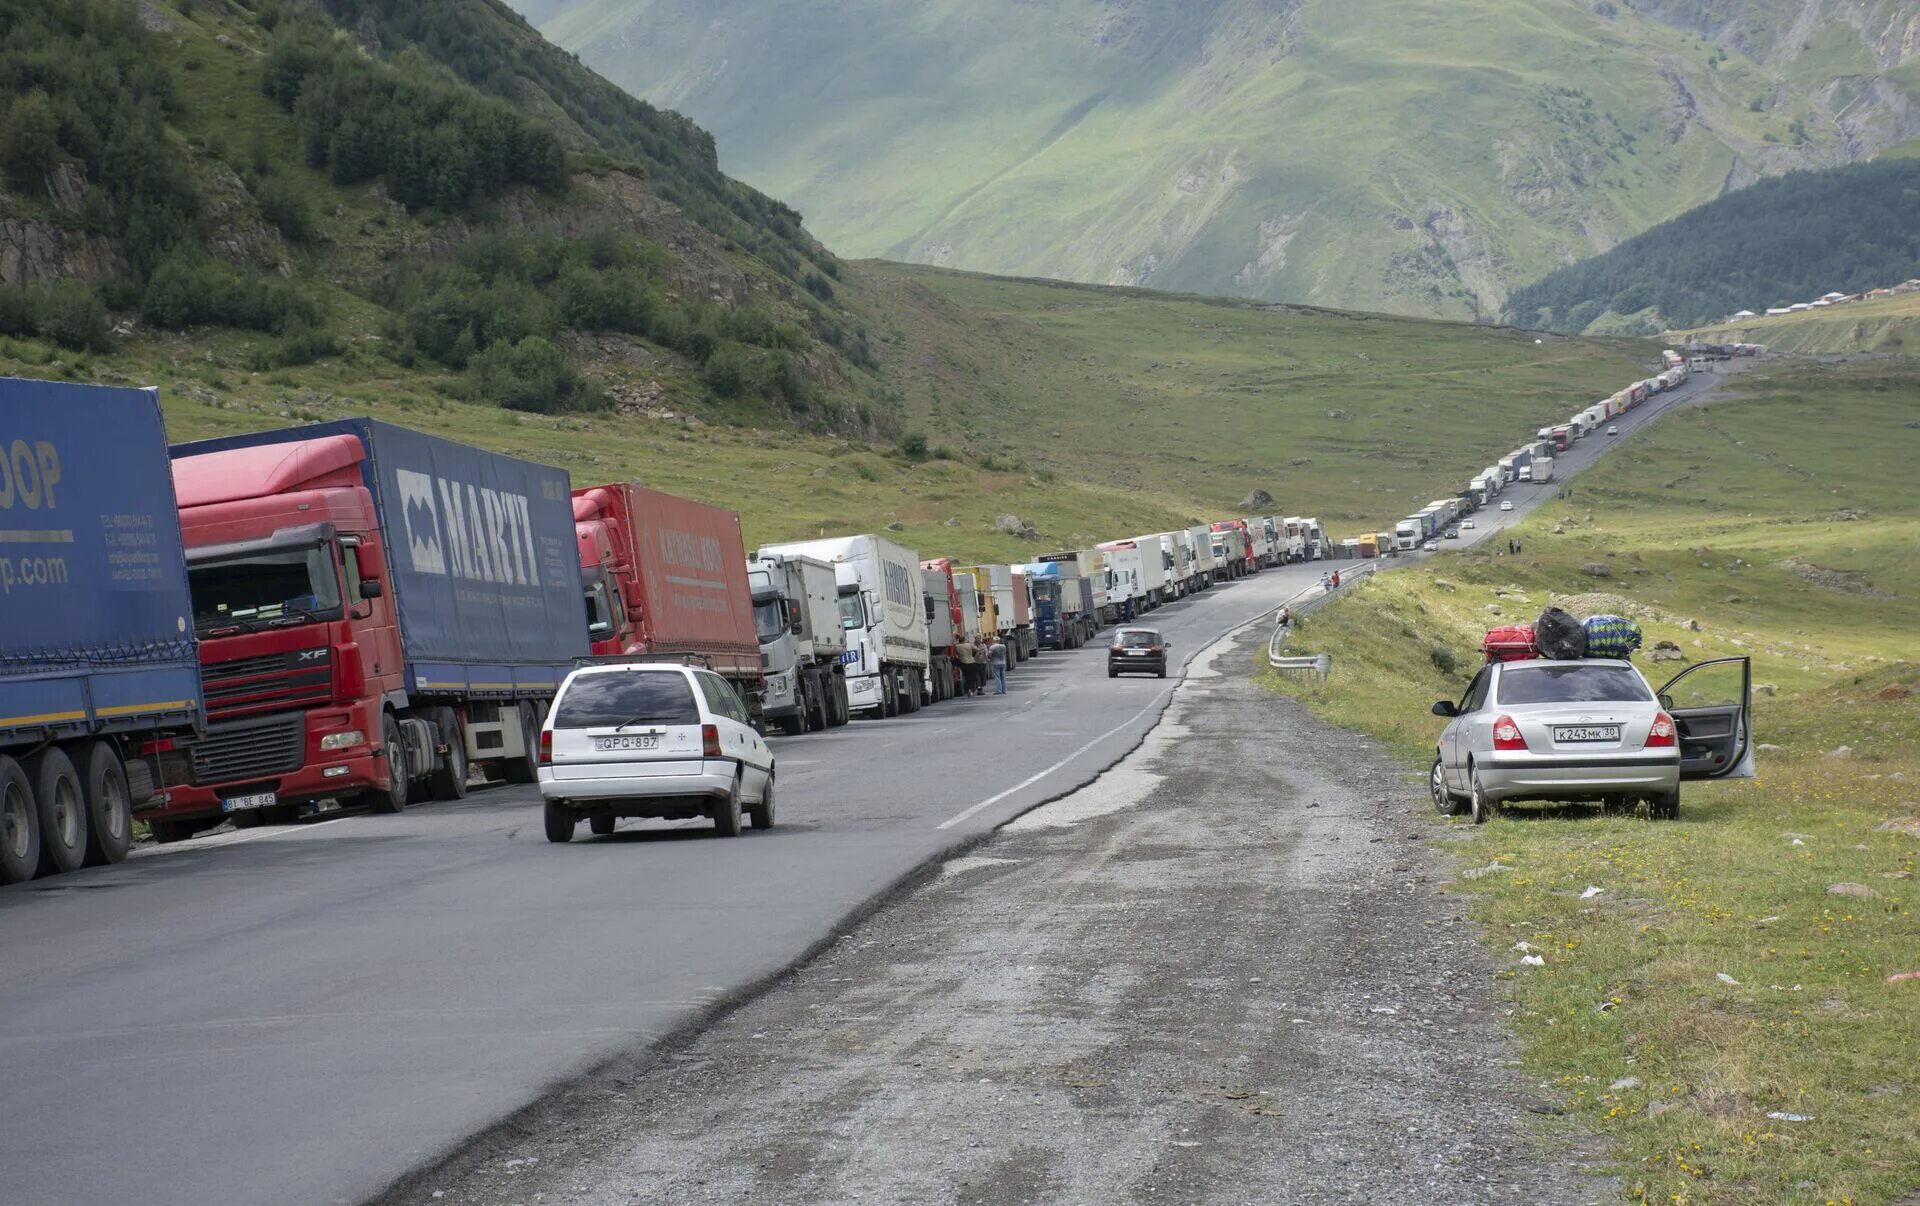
1417	156
1716	978
1089	412
1786	240
1884	324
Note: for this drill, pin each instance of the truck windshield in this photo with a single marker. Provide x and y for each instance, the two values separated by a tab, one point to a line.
768	623
265	589
852	614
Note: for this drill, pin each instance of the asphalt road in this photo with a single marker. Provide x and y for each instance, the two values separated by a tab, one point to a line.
304	1013
1222	973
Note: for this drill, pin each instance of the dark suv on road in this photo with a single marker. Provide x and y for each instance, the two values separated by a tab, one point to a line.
1137	651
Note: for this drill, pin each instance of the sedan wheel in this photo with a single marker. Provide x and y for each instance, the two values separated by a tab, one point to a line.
1477	802
1443	801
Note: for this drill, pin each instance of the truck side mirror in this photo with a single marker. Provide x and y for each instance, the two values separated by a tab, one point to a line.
372	588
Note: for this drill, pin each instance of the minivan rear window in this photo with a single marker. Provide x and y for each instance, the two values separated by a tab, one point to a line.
597	701
1573	683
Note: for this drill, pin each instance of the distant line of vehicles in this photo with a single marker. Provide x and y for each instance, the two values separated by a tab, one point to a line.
249	627
1531	462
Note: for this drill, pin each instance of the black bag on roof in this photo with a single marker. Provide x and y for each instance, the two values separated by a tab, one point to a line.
1558	635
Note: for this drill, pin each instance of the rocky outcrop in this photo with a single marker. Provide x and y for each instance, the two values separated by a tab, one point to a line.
40	253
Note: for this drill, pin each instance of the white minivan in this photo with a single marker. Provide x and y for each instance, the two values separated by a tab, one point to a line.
643	739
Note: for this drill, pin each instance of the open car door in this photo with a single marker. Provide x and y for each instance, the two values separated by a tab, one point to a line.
1712	707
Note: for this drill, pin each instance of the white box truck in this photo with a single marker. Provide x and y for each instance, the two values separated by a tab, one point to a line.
1200	540
883	609
796	614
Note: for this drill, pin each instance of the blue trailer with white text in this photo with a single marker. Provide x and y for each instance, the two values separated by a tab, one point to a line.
99	679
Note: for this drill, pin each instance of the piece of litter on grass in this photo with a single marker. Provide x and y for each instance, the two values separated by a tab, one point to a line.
1798	842
1899	976
1606	1007
1724	978
1524	946
1624	1083
1590	893
1780	1116
1533	961
1493	868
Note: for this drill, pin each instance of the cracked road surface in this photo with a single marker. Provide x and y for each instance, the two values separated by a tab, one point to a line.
1222	972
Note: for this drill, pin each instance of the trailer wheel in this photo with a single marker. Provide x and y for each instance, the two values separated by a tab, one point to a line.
103	784
449	780
19	825
393	797
525	768
63	811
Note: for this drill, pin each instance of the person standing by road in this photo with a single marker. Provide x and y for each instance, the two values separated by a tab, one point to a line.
997	657
969	663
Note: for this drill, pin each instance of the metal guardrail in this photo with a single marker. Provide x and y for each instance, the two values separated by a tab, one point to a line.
1320	665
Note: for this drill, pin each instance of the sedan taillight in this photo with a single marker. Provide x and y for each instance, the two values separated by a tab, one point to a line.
1507	735
710	740
546	747
1119	648
1662	733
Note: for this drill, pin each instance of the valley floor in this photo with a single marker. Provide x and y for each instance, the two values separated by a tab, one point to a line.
1222	972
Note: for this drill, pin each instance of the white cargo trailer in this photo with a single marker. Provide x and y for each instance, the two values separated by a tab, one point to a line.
883	609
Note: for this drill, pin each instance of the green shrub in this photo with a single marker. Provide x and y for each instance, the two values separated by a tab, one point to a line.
287	204
728	371
300	344
913	446
188	289
70	313
531	375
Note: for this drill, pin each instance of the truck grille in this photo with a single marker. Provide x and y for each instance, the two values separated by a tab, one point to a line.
250	749
272	682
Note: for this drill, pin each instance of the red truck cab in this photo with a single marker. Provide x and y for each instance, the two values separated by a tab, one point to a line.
1248	558
298	642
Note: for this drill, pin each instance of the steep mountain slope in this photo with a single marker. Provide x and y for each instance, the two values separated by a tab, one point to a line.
278	219
1419	156
1785	240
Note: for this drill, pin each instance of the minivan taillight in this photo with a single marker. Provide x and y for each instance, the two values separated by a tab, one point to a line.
546	747
1119	648
1661	735
1507	735
710	740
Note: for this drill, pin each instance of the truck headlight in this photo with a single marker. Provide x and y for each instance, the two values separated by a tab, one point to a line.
341	741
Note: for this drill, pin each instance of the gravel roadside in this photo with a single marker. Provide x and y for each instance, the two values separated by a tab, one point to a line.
1223	972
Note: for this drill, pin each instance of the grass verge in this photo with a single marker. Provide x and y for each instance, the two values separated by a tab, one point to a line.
1717	978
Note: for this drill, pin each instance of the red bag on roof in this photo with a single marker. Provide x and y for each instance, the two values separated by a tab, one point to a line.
1509	644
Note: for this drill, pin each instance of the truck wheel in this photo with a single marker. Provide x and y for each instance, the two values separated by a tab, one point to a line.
842	713
19	825
526	768
393	797
889	703
822	710
726	813
450	778
761	814
601	824
103	784
559	821
794	726
63	813
916	693
166	833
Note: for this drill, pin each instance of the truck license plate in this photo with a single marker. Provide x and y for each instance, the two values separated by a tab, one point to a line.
1593	732
636	741
263	799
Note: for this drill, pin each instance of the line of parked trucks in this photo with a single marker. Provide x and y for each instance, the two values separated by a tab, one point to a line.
1531	462
247	627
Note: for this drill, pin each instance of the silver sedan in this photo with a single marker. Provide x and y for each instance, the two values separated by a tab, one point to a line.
1590	729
